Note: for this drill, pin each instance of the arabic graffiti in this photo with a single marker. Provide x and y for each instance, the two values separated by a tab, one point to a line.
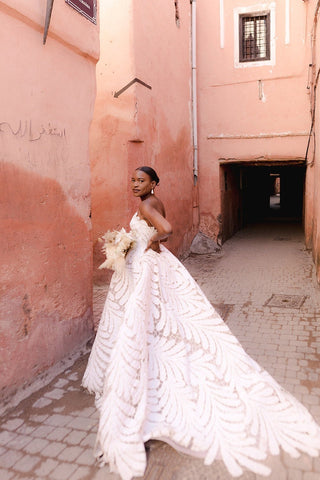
26	129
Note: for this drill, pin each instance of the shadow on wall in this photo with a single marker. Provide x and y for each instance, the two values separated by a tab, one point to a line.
45	276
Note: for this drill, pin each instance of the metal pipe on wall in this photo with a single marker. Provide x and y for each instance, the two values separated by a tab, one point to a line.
194	90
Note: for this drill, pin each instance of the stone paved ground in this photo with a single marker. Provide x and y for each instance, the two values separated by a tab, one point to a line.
263	284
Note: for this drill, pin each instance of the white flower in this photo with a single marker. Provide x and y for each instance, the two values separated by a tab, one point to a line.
116	246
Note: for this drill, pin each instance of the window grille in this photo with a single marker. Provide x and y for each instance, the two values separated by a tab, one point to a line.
254	37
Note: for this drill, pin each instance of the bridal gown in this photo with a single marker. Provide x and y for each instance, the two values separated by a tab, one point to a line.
165	366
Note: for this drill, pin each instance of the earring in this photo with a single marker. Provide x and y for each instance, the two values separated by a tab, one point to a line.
152	192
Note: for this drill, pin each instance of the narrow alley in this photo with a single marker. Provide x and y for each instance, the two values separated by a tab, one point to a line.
263	284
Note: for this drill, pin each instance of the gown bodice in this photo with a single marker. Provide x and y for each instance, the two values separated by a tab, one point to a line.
141	231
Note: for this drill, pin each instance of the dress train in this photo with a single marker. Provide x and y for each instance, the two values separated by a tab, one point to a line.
165	366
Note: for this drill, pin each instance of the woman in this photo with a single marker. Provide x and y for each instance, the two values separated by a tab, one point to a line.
165	366
143	183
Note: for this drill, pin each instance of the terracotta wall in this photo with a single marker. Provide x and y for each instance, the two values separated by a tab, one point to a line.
47	95
143	125
251	112
313	170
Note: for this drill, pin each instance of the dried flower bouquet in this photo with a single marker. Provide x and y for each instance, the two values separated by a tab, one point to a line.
116	246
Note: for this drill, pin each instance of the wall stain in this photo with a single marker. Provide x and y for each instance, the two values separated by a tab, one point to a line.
45	275
26	308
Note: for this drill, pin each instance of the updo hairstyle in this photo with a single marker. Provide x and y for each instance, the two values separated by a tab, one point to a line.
149	171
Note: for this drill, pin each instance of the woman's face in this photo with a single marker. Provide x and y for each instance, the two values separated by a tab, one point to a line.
141	184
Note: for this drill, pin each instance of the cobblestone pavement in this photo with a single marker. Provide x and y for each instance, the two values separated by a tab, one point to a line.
263	285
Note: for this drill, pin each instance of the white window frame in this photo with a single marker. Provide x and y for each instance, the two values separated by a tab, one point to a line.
259	8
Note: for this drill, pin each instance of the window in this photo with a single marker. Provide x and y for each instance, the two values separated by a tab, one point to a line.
254	37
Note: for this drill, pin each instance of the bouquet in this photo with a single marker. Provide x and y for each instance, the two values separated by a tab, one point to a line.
116	246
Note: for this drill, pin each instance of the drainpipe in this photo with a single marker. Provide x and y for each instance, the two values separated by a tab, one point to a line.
194	90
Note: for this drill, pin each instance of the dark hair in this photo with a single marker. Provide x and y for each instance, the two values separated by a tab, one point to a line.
152	173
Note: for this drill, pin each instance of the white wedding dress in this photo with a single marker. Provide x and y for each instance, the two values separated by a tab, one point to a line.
165	366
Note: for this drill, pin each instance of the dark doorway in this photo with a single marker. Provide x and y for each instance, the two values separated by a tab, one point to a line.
275	194
253	193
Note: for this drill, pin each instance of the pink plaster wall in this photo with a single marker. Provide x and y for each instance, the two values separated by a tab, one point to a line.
163	114
142	126
47	97
229	103
313	171
112	124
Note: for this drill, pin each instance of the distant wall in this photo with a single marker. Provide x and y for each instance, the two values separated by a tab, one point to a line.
313	171
47	95
142	125
248	112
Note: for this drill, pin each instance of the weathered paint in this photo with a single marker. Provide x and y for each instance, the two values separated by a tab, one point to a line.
313	172
257	112
254	112
47	95
248	112
142	126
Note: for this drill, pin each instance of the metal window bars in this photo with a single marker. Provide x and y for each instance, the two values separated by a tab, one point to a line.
254	37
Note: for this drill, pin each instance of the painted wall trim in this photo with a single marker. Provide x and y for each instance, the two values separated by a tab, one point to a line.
244	136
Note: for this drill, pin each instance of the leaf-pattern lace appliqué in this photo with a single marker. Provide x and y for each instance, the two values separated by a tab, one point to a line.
165	366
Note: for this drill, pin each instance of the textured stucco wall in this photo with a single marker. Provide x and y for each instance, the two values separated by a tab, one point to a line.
270	101
163	114
142	126
312	200
47	95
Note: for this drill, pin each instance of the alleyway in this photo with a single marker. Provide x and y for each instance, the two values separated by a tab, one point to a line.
263	285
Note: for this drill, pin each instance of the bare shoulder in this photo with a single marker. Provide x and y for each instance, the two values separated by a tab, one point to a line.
152	211
150	205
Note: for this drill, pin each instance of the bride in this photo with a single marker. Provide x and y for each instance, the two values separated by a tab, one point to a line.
165	366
